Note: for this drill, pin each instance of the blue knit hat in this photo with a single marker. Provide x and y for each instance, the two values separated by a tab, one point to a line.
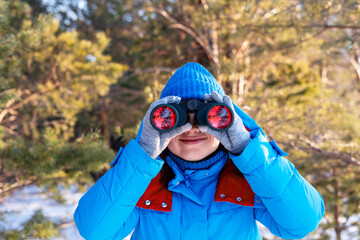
191	81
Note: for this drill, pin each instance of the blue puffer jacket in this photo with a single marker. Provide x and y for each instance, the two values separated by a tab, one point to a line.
215	203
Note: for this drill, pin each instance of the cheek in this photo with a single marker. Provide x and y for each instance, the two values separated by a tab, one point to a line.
172	145
214	142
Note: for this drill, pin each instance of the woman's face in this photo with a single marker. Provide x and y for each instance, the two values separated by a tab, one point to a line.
193	145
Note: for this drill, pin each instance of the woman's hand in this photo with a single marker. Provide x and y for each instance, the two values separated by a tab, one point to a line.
234	139
151	140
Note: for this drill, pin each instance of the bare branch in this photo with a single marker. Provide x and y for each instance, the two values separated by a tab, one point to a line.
326	26
353	62
330	26
16	106
199	38
24	101
312	148
4	189
66	224
134	72
204	4
287	47
10	131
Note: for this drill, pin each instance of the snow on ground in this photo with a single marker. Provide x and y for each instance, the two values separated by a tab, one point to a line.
21	205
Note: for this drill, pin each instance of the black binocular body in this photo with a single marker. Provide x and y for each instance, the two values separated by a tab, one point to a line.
217	116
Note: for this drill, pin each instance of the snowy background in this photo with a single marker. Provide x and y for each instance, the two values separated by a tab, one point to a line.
21	205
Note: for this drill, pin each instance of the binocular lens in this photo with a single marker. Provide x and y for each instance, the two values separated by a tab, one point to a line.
219	117
164	118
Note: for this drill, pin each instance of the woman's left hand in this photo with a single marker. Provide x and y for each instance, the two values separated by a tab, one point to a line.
234	139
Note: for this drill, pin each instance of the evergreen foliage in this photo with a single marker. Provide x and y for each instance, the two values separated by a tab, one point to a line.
76	77
38	227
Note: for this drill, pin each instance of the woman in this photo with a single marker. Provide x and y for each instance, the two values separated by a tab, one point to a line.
197	182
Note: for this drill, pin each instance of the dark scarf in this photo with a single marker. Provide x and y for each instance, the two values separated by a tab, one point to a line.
198	165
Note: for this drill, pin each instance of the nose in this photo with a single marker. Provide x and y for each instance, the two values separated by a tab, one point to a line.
192	120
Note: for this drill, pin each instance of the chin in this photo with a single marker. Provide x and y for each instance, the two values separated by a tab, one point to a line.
192	157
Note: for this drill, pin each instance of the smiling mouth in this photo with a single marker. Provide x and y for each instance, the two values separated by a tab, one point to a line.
192	141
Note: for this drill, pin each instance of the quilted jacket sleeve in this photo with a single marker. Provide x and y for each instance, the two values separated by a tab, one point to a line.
293	208
108	210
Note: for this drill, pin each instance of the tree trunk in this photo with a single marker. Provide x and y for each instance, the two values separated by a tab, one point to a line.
103	123
337	206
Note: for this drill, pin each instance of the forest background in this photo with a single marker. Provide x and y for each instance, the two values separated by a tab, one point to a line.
76	78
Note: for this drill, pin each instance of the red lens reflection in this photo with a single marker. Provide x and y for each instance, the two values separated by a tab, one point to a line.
164	118
219	117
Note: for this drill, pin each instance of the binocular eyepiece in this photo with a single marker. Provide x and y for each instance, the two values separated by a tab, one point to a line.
217	116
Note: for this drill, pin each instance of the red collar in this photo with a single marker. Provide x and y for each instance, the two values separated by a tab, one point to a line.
232	187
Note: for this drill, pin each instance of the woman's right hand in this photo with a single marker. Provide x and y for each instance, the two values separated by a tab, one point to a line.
151	140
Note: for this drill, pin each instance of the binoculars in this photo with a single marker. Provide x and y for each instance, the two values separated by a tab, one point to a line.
166	117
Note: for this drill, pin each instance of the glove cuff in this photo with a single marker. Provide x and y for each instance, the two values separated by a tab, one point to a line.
149	150
242	140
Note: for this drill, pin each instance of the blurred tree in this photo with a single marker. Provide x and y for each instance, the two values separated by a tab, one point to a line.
318	126
48	79
38	227
293	65
15	41
236	40
287	56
